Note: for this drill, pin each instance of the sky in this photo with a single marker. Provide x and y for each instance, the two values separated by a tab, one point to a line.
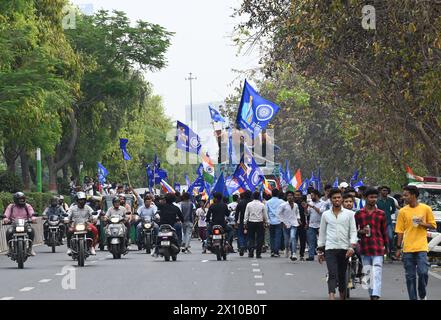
202	45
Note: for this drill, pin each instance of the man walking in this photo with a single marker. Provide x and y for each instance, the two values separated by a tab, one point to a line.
242	238
387	204
289	216
256	218
272	207
372	226
337	240
313	223
300	200
188	210
412	224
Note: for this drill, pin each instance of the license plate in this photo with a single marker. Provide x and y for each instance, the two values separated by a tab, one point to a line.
165	243
217	236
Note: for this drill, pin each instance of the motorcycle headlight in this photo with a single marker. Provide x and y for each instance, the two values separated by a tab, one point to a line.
114	220
80	227
147	225
19	229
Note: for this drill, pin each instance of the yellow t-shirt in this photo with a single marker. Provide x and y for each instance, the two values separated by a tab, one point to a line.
415	238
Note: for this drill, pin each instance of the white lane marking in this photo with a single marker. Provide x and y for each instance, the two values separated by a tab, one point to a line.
257	276
255	264
288	274
60	274
260	284
44	280
261	291
204	261
256	270
25	289
7	298
435	275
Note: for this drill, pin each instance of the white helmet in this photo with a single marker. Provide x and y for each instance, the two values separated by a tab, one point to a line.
343	185
81	195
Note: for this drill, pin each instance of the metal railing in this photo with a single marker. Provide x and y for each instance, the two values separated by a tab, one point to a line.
38	228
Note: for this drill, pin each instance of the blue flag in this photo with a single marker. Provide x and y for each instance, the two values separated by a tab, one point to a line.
358	184
220	186
254	112
123	146
304	186
150	176
102	173
335	185
215	115
319	181
156	162
160	174
200	170
313	180
186	139
354	178
187	180
232	185
177	187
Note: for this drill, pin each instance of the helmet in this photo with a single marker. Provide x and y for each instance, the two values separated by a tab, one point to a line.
19	199
81	195
61	197
115	199
343	185
54	201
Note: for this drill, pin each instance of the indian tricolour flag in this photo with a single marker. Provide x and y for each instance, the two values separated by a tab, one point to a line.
411	176
208	169
296	181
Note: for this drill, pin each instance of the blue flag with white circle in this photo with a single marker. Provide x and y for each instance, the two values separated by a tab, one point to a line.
254	112
187	139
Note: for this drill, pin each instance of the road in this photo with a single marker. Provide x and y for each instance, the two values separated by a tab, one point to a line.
194	276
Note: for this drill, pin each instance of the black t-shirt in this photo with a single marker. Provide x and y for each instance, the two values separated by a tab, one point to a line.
168	214
240	210
302	212
217	214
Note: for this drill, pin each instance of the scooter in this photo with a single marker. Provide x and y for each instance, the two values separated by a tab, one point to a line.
218	244
168	242
116	234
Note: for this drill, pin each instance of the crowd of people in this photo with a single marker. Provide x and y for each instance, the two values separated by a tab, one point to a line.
331	227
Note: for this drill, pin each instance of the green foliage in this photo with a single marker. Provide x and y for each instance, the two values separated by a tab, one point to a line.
10	182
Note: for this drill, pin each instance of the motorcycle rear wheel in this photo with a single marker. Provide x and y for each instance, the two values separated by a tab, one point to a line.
53	239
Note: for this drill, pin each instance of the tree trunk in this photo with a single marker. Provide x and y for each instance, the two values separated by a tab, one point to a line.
11	156
65	173
25	169
33	174
54	165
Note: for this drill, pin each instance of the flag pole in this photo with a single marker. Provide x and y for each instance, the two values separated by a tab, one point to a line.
127	172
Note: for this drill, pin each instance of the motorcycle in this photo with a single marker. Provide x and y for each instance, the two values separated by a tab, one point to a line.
116	233
55	233
147	238
218	245
20	244
78	243
168	242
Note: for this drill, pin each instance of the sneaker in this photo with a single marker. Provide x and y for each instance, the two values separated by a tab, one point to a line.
302	259
241	252
425	298
188	251
272	254
293	257
183	250
258	256
33	253
92	251
276	255
69	252
309	259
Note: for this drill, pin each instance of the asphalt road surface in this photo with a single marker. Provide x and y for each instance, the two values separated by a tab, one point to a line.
194	276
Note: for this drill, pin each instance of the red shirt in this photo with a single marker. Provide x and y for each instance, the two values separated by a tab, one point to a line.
373	245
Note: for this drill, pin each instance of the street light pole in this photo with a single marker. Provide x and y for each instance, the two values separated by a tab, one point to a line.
191	78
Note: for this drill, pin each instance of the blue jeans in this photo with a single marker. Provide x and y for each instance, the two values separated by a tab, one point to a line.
390	235
416	263
373	268
178	228
241	237
290	235
275	237
311	236
187	231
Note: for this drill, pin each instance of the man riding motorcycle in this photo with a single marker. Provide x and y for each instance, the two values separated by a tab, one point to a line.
81	212
20	210
53	209
146	212
119	210
62	204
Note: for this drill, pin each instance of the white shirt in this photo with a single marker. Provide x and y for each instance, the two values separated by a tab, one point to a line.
337	232
289	216
315	218
255	212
